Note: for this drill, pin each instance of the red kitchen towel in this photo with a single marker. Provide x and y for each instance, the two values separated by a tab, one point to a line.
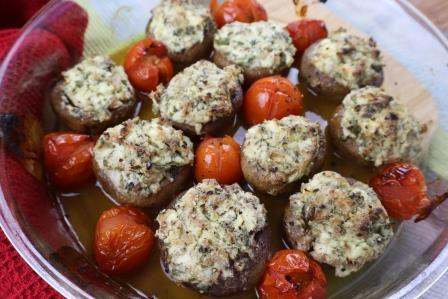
17	279
15	13
61	39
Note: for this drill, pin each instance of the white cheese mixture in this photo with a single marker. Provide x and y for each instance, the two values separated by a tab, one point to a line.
198	95
210	232
96	87
179	24
350	60
287	148
382	128
138	155
344	225
255	45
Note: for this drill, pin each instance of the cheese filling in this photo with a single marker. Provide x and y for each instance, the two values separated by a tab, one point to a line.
255	45
344	225
179	24
198	95
350	60
382	128
286	147
96	87
210	232
138	155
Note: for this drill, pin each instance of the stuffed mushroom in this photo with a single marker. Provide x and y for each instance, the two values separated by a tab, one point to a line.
93	95
372	128
201	99
339	221
143	163
261	48
276	154
342	62
214	238
186	29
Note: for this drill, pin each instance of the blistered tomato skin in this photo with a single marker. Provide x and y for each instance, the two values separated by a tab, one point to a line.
245	11
123	240
271	98
147	65
402	190
305	32
292	274
68	159
218	158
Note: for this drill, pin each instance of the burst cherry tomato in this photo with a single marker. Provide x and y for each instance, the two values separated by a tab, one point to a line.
402	189
291	274
218	158
123	240
245	11
147	65
271	97
304	33
68	159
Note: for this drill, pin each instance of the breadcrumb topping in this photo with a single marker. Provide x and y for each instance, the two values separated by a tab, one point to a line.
340	222
179	24
350	60
382	128
138	155
210	233
199	94
255	45
96	87
285	149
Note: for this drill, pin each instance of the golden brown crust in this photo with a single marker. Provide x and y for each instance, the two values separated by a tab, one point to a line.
199	51
240	281
85	123
346	148
373	129
250	75
339	221
268	181
293	234
218	124
327	86
167	192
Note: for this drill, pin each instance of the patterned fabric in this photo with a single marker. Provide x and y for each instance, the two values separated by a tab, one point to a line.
7	37
17	279
55	45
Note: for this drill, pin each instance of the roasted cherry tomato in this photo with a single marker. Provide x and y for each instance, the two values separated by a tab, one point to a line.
304	33
292	274
402	190
123	239
147	65
218	158
245	11
271	97
68	159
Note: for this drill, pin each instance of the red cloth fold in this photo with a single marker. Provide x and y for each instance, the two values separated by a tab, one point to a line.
57	43
15	13
7	37
17	279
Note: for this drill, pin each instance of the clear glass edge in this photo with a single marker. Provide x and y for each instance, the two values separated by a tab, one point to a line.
10	225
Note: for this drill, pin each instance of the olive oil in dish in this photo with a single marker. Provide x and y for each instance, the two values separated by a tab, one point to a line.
83	208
